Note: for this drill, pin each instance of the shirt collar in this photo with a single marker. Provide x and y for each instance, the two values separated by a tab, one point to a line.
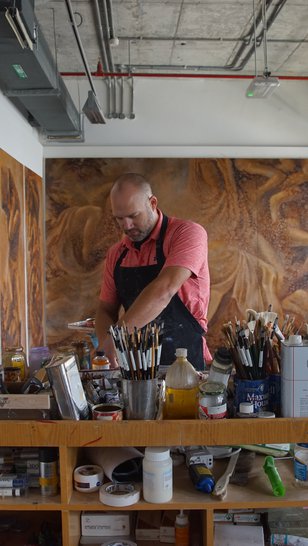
153	235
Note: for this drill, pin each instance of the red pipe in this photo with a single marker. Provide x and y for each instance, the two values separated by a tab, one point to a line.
152	75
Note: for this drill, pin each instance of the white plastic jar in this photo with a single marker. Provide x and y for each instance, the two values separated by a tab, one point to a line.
157	475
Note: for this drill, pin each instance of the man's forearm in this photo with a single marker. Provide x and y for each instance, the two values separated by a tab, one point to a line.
103	320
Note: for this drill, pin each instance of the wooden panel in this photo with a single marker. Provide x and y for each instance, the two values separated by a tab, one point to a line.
12	270
156	433
35	259
252	210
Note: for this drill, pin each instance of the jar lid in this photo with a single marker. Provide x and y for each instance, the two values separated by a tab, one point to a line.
223	356
157	453
246	407
208	387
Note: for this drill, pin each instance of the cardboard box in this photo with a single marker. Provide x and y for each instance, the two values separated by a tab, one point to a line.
148	525
99	524
167	526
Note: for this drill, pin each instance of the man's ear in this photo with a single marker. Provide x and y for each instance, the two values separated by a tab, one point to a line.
153	201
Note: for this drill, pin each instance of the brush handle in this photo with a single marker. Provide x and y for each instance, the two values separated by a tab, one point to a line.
220	488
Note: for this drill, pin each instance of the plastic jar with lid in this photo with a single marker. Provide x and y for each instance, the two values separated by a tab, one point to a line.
246	411
301	464
212	401
157	475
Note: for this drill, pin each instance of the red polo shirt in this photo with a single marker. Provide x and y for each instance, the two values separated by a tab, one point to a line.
185	245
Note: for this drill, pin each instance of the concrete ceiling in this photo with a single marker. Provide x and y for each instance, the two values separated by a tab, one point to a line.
179	36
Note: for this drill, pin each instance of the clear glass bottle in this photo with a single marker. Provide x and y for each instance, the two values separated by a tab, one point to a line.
182	383
100	361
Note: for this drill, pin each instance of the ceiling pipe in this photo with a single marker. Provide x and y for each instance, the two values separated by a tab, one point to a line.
79	44
176	75
105	35
102	45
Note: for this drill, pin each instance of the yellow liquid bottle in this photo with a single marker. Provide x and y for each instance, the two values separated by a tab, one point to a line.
182	384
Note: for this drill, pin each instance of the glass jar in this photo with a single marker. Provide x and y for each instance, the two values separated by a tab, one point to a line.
100	362
221	366
212	400
14	357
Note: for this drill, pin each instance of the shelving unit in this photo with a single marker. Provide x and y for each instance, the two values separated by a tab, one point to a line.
71	436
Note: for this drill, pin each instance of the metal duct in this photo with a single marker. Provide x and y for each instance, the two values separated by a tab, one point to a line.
28	75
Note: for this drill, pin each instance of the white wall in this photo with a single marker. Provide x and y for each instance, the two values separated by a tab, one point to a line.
18	138
195	117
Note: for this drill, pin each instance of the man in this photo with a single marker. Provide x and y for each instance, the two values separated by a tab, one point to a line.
157	272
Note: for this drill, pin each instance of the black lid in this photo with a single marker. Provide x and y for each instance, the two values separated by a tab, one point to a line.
223	355
100	353
48	454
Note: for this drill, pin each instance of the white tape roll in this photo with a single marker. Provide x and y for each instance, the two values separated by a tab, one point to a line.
119	494
88	478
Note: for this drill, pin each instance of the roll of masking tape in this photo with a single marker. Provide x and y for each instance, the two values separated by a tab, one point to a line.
119	494
88	478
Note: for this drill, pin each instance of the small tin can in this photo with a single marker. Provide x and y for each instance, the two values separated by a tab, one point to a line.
107	412
212	400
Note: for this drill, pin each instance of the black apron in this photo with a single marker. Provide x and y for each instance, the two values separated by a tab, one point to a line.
181	329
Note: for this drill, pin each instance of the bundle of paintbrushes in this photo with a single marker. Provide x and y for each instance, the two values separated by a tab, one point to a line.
138	352
255	343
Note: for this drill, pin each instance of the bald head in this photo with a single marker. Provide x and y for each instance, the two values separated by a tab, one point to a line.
134	206
131	181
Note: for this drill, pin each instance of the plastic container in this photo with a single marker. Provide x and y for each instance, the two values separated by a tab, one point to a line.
181	529
221	366
182	383
212	401
246	411
38	356
301	464
100	361
157	475
202	477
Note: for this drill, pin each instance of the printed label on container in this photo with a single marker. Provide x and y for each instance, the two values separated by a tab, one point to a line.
212	412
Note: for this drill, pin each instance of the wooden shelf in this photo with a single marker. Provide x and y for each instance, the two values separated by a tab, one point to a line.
71	436
139	433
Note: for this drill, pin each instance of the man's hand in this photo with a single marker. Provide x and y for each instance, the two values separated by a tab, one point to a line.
110	352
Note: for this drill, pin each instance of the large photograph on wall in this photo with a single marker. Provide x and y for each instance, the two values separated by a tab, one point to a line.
12	253
35	258
254	211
